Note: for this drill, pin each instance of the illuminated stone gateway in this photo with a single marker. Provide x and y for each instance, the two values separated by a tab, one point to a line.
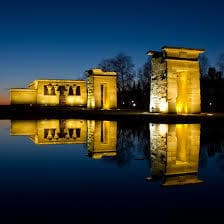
101	86
175	80
102	89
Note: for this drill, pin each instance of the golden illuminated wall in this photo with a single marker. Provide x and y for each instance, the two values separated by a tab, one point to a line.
102	138
102	89
158	94
23	127
52	92
175	153
23	96
175	81
60	92
69	131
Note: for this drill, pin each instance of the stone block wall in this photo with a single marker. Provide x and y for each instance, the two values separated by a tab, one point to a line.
49	92
158	94
175	81
23	96
91	92
102	89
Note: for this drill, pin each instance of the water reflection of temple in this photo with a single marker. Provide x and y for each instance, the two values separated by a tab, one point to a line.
101	136
174	147
175	153
70	131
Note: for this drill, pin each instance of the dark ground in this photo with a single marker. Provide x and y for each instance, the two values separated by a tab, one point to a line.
42	112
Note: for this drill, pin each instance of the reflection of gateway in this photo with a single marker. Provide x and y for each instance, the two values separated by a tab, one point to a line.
70	131
102	138
175	153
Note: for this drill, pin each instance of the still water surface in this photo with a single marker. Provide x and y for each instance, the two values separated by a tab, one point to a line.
106	170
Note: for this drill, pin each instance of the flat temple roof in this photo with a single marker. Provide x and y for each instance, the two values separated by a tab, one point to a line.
55	80
153	52
184	48
59	80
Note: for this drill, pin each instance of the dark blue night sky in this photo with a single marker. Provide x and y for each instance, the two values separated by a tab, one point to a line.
62	39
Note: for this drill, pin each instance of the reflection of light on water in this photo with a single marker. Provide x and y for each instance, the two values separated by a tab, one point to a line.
102	138
175	153
210	114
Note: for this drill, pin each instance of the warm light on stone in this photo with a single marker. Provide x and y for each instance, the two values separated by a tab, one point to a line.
69	131
23	96
102	89
102	138
175	80
175	153
163	106
23	127
52	92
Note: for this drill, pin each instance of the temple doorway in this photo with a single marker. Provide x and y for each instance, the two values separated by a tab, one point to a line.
103	96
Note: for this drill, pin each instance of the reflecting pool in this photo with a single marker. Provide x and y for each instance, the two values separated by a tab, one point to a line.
110	171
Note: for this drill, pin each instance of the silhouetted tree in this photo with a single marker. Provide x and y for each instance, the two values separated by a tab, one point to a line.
213	74
144	78
221	63
125	144
144	73
123	65
203	62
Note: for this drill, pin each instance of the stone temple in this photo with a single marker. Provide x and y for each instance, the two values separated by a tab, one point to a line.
175	80
100	91
175	86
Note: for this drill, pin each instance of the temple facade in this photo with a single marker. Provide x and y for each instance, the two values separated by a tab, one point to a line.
100	90
51	92
175	80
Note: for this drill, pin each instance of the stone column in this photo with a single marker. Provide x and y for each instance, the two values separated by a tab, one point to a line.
49	89
56	90
74	89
